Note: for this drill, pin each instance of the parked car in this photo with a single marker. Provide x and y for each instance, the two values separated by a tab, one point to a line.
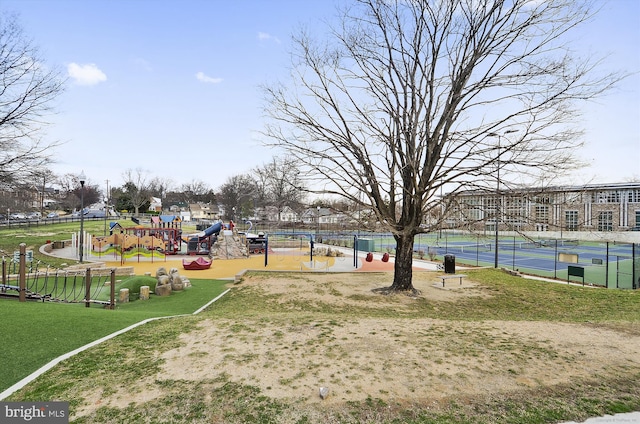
34	215
94	213
17	215
52	215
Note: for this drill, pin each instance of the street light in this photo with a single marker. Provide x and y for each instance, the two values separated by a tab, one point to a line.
106	208
82	179
497	217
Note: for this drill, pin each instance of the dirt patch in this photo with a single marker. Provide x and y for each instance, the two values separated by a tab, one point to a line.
404	359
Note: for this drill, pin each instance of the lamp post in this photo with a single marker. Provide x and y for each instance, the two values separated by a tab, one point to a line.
82	178
497	217
106	208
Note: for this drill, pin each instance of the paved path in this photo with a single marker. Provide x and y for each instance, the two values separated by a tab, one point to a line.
630	418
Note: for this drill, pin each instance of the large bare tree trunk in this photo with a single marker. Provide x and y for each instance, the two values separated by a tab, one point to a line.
403	267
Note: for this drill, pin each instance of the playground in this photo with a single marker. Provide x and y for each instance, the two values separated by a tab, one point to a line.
214	252
219	251
296	256
228	251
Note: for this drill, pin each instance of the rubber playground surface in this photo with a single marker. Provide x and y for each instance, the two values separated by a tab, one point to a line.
229	268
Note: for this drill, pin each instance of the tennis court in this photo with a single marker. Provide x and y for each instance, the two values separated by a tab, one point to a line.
607	264
602	264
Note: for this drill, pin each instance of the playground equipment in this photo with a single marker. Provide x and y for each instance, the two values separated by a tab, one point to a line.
164	236
197	264
80	285
256	243
164	240
200	243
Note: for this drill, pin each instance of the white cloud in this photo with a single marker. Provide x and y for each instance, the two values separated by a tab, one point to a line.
202	77
88	74
267	36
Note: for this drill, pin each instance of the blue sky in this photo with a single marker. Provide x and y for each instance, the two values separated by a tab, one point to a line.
172	87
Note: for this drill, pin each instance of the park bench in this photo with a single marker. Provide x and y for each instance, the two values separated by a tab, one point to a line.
447	277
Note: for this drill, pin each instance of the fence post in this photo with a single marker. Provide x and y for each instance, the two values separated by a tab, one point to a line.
266	250
87	282
112	294
606	268
634	285
22	273
355	251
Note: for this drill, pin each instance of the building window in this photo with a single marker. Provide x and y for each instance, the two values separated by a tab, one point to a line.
613	197
637	220
607	197
634	197
572	197
571	219
544	200
542	214
605	221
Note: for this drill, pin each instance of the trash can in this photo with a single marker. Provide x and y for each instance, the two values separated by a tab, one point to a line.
449	264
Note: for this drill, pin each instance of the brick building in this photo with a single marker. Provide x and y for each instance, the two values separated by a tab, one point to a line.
594	207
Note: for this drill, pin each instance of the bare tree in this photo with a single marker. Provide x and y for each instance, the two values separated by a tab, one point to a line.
70	192
158	186
137	188
281	182
237	195
27	91
406	97
197	191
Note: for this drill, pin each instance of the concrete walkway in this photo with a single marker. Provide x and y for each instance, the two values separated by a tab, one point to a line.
629	418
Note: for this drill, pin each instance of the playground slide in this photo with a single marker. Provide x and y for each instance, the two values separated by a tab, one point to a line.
200	243
214	229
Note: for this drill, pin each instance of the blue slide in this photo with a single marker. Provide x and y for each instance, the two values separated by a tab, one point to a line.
200	243
214	229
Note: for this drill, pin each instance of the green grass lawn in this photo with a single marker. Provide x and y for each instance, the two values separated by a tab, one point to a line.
115	365
34	333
